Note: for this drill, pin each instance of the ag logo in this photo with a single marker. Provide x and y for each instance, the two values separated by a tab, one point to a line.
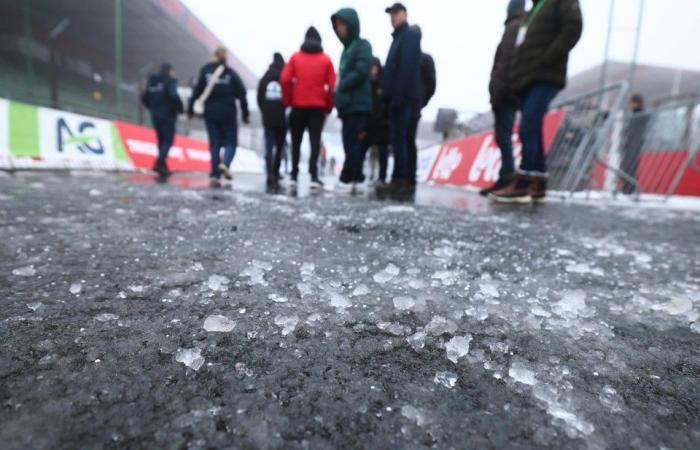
273	92
85	138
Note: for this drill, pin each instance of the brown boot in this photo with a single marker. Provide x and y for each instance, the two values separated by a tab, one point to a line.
538	189
517	191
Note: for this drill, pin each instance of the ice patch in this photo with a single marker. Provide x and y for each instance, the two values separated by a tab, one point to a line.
28	271
394	328
446	379
218	283
387	274
458	347
404	303
339	301
419	416
197	267
277	298
398	209
522	374
675	307
34	306
287	323
583	269
191	357
136	289
219	324
360	290
417	340
572	304
489	289
438	326
75	288
695	327
106	317
256	275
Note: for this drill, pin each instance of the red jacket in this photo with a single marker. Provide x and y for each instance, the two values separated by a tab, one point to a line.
308	81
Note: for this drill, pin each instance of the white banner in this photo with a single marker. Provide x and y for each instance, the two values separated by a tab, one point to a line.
73	138
4	128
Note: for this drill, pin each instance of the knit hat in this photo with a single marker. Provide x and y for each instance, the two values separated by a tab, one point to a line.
312	34
516	6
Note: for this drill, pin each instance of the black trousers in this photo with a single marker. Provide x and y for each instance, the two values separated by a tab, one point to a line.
300	120
412	162
274	148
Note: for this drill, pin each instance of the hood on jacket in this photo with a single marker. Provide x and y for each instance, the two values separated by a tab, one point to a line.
312	41
515	6
352	20
518	15
277	63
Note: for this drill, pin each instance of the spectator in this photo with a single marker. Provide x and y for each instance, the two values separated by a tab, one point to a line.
217	90
634	137
164	103
377	136
401	90
548	33
274	120
353	95
307	82
503	103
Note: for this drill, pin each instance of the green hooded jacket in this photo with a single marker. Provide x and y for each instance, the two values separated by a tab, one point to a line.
353	95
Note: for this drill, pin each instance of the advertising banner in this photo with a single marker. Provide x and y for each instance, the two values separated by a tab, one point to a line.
74	138
476	160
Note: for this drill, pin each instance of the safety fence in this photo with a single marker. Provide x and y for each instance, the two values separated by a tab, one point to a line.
595	144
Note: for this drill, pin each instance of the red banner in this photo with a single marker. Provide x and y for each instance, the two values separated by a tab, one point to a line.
476	160
185	155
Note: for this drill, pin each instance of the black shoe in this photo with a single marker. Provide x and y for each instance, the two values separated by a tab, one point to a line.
401	187
162	171
497	186
316	183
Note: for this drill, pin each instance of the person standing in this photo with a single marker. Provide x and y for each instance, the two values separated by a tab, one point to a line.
428	85
377	136
545	38
634	139
274	120
353	95
503	102
401	88
307	82
164	103
216	92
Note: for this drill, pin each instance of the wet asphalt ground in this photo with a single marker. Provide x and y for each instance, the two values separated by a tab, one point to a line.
145	315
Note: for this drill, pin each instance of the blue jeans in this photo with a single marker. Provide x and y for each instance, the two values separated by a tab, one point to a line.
399	127
354	125
504	119
223	132
534	105
165	132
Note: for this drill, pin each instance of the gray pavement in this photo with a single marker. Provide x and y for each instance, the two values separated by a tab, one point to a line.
144	315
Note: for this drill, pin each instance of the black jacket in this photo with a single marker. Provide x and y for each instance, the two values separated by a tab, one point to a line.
401	78
161	98
544	54
428	79
500	86
270	97
222	101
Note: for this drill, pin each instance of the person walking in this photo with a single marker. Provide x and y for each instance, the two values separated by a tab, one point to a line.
353	95
545	38
164	103
504	103
308	81
377	137
214	96
401	88
427	88
274	119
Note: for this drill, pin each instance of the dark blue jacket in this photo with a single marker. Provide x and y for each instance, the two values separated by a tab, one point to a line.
401	78
161	98
221	104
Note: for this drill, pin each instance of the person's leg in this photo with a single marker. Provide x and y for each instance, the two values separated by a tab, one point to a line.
270	141
214	146
400	120
535	106
412	162
296	127
280	142
383	162
230	141
316	119
346	132
359	148
504	118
